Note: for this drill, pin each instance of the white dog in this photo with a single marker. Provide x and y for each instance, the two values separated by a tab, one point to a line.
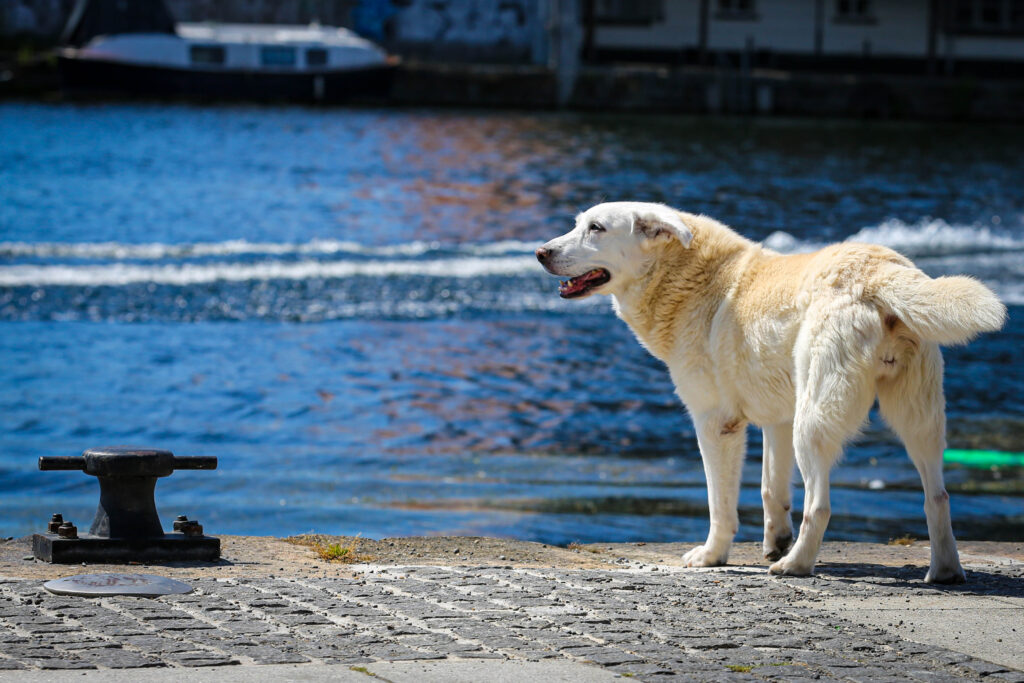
799	345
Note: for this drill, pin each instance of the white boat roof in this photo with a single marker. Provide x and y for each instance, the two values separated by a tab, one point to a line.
330	36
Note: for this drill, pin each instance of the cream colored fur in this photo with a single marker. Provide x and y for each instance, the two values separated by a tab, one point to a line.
800	345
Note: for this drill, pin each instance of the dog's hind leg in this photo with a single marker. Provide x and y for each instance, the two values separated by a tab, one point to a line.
776	477
912	403
834	360
722	444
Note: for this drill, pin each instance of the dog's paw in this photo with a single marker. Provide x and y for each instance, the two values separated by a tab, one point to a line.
946	575
701	556
775	548
790	567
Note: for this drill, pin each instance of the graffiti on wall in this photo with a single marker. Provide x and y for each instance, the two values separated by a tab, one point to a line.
464	22
33	17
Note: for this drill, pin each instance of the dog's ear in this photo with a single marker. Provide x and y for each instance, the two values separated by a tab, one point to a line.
663	226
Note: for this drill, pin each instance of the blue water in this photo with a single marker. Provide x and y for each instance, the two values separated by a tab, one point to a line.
343	306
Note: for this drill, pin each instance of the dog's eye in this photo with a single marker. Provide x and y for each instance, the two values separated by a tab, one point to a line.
595	227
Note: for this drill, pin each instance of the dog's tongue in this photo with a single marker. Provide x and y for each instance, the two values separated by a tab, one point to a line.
576	285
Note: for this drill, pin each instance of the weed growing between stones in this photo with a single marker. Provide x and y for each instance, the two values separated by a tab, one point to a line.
330	550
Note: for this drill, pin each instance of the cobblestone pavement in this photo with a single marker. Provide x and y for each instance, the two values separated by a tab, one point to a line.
651	623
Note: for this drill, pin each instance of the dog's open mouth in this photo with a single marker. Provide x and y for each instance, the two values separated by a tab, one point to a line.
582	284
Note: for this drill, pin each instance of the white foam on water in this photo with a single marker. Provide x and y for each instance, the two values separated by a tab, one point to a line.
787	244
158	251
940	247
927	237
115	274
936	237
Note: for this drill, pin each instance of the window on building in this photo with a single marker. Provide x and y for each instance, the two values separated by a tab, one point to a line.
316	56
206	54
629	12
855	12
1017	14
986	17
275	55
737	10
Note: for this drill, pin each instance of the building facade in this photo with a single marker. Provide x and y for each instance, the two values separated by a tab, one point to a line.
942	37
938	36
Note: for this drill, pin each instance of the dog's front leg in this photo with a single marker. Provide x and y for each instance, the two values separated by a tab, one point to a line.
722	444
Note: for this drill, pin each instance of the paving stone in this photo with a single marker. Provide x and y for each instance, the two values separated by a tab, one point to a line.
779	642
268	655
708	643
634	669
301	619
246	626
936	676
181	625
119	659
207	660
45	630
1011	676
605	656
158	644
484	654
981	667
398	653
32	618
59	663
87	644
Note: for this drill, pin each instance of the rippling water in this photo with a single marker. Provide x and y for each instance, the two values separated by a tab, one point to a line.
344	307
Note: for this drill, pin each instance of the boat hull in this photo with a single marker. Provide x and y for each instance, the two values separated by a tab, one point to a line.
102	77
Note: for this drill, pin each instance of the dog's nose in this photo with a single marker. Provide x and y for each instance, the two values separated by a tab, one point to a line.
543	254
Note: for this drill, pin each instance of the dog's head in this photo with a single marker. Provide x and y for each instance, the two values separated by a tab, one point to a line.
611	245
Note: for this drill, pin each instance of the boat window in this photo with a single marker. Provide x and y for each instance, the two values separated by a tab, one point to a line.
316	56
275	55
206	54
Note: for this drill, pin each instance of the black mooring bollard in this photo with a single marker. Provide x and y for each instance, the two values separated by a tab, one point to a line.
126	527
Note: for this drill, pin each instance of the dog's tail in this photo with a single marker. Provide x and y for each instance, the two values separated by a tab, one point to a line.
944	310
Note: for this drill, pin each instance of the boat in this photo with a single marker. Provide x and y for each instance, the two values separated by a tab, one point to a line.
136	48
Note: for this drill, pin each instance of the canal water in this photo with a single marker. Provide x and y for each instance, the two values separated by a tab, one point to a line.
343	306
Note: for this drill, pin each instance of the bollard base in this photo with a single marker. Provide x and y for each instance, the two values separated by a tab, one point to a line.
173	547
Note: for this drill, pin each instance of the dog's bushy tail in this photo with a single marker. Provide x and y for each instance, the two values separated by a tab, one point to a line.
945	310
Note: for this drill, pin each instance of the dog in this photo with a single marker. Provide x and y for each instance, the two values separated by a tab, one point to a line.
799	345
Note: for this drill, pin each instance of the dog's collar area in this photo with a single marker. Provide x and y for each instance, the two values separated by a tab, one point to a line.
582	284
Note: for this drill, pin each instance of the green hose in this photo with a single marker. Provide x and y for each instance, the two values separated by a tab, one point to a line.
985	459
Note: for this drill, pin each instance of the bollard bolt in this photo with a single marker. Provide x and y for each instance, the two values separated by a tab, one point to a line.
55	521
67	530
192	528
189	527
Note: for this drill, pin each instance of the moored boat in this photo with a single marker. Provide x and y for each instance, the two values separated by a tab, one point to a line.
137	49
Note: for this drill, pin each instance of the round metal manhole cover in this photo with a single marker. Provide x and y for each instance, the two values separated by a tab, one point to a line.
142	585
